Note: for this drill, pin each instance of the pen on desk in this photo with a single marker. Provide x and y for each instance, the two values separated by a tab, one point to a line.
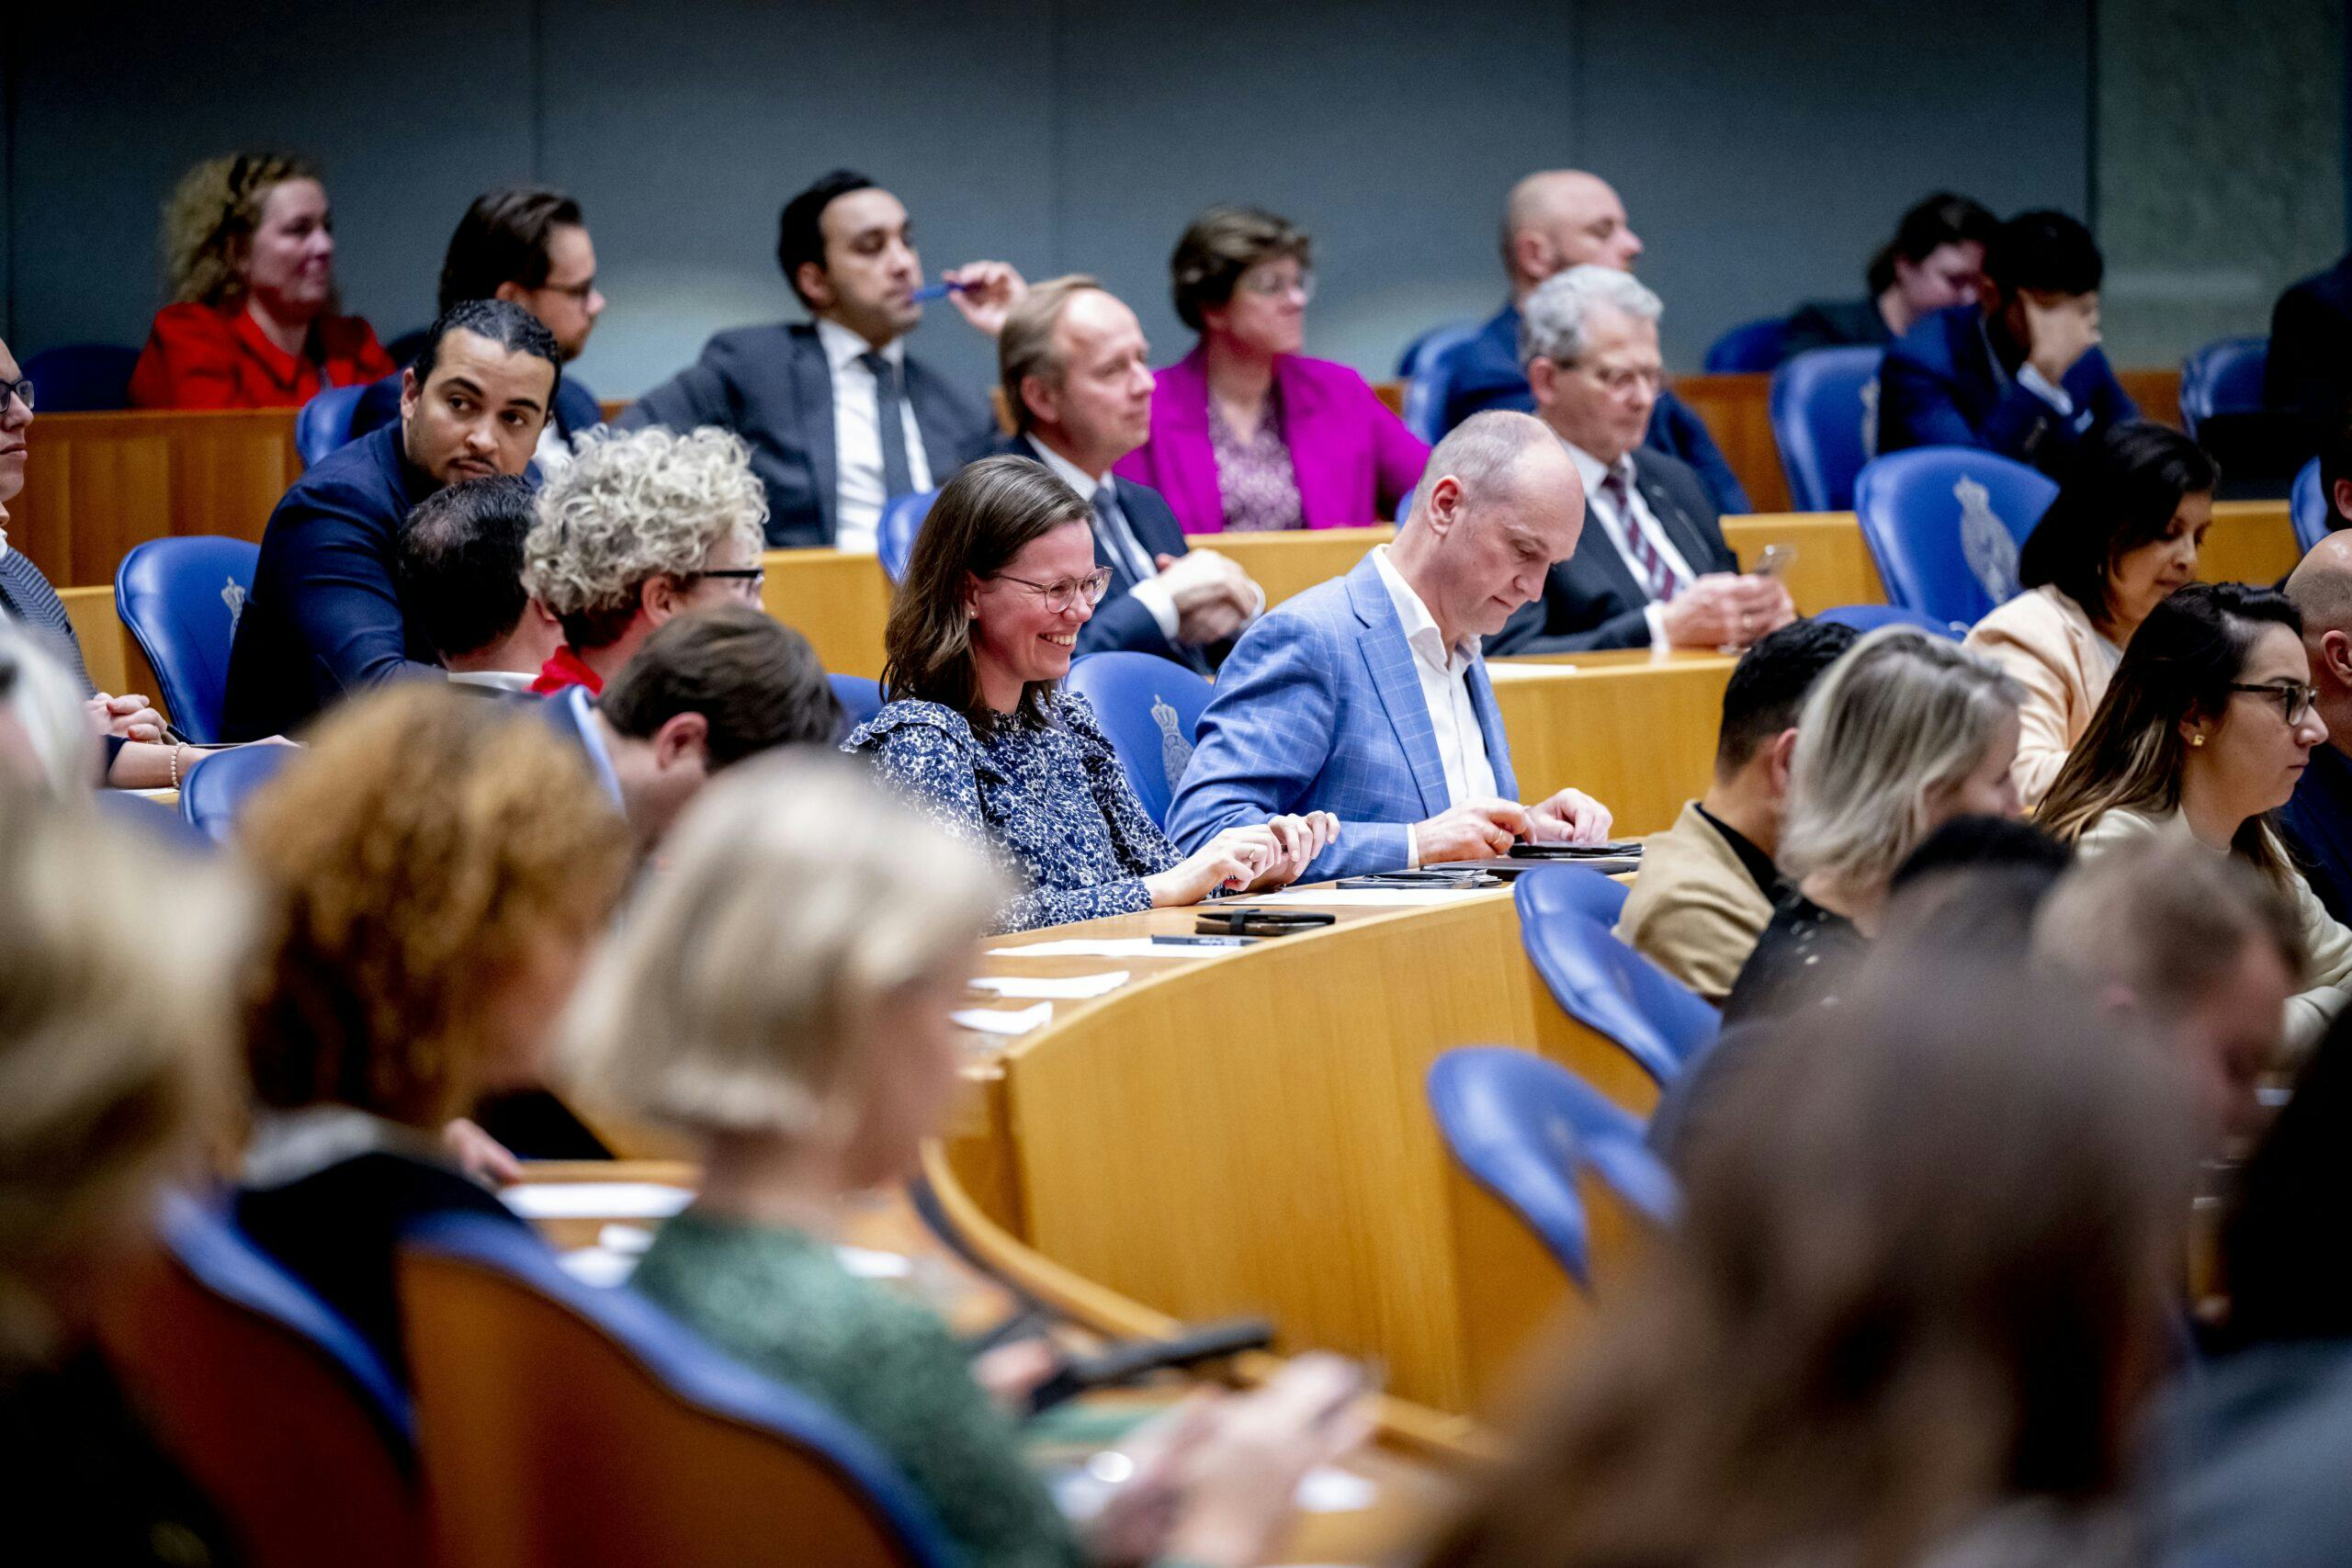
939	290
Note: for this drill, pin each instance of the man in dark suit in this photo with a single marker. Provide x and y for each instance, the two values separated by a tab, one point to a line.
1078	376
839	417
1652	569
1557	219
325	616
2020	373
2307	375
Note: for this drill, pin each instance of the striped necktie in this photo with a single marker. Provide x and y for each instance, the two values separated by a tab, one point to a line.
1659	579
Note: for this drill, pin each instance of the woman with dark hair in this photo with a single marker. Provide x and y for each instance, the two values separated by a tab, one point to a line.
249	251
1247	433
979	732
2122	535
1936	260
1909	1313
2205	727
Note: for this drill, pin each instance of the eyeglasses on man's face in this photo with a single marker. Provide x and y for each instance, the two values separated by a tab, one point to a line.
2295	699
746	581
1059	596
21	390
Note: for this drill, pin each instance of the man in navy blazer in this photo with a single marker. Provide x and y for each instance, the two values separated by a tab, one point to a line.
1557	219
1077	374
324	618
2308	374
837	415
2020	373
1366	696
1652	570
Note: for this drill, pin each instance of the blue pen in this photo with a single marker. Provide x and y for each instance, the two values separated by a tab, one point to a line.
936	291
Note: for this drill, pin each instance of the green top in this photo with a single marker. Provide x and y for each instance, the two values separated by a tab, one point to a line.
780	1301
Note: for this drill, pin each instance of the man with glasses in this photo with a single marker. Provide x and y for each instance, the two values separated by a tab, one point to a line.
2316	821
1653	569
1077	377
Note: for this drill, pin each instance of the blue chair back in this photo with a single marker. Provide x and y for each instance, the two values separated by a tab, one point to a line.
1945	524
1825	417
860	698
894	536
1600	982
1149	707
81	378
2307	504
324	422
1870	617
568	1423
1428	369
181	597
1750	346
2223	378
1523	1127
213	792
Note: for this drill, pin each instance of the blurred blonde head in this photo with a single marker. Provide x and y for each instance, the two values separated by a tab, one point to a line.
209	219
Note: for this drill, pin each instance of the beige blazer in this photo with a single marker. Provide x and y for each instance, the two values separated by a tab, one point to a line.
2325	939
1694	910
2042	638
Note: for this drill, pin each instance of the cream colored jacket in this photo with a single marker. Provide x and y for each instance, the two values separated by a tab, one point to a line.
1694	911
2042	638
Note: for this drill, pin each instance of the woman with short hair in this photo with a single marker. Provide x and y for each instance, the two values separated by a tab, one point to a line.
2122	535
980	731
1247	434
249	255
2204	730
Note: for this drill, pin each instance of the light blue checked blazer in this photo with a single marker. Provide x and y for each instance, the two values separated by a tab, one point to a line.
1318	709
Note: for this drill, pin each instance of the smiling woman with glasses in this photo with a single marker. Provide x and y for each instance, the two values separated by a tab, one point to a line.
979	733
2204	731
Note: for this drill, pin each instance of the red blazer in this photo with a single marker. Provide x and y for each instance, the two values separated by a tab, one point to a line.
1353	459
214	356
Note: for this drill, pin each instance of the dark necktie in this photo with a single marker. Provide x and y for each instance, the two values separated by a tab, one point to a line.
1659	579
890	406
1118	539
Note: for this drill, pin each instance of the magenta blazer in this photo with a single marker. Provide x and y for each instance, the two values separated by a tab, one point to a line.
1353	459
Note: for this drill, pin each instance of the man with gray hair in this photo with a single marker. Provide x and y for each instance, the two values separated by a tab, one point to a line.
2316	821
1655	571
1366	697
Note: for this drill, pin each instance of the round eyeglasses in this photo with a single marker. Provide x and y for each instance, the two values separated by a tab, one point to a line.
1058	595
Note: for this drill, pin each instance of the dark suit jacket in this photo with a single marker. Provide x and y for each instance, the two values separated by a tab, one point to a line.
1834	323
324	618
772	385
2316	823
575	407
1941	386
1485	374
1592	600
2307	375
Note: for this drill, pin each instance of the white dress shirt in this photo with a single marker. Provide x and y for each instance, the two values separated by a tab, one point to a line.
1149	590
857	437
1596	506
1446	689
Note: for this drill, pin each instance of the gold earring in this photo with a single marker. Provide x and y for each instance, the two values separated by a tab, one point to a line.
2197	740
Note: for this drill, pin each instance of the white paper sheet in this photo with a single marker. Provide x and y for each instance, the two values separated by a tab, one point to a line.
599	1266
1058	988
1499	671
1097	947
1329	1490
595	1199
990	1021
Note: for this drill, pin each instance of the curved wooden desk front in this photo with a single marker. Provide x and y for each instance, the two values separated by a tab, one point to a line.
1246	1131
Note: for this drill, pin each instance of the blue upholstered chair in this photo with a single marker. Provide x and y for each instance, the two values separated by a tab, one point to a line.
324	422
1825	418
1750	346
894	536
82	378
269	1400
1602	983
1525	1127
213	792
1870	617
860	698
1150	706
2223	378
562	1423
1428	369
181	598
2307	505
1945	525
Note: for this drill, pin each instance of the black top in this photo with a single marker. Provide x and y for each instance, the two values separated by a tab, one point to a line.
1834	323
1800	960
2316	823
1760	865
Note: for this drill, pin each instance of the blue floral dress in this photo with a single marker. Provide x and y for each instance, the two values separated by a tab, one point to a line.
1049	799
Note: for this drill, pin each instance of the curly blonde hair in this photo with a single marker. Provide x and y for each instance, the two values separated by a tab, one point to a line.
632	506
416	857
210	218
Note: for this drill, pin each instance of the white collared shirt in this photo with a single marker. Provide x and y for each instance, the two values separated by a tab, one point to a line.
1446	689
1149	590
495	679
858	435
1596	506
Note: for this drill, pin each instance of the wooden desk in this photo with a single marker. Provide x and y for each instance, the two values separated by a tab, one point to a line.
1636	730
96	484
1737	411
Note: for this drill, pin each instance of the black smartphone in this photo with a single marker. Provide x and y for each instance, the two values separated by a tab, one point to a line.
1623	849
1246	922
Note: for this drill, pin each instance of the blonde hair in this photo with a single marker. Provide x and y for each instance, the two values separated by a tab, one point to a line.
1902	716
632	506
45	702
116	957
210	218
414	857
1025	346
798	898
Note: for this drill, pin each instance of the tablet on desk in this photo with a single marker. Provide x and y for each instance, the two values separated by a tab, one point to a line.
1620	849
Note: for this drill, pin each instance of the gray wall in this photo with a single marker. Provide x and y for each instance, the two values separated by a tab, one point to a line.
1762	155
